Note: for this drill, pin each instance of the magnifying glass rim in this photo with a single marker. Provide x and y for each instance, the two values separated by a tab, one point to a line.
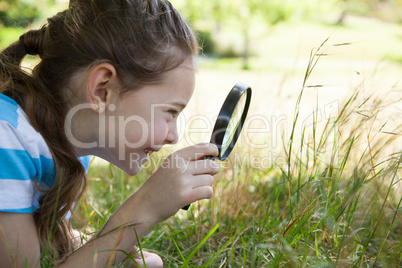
225	114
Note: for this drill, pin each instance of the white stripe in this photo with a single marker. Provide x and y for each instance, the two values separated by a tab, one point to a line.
33	140
16	194
8	140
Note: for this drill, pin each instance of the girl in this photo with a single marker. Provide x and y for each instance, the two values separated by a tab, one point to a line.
112	79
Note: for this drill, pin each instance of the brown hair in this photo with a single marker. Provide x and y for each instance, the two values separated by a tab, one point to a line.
142	39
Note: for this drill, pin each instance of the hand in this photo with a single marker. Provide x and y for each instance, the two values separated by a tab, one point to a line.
151	260
183	178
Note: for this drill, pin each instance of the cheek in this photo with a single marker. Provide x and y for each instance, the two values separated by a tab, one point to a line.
134	132
160	132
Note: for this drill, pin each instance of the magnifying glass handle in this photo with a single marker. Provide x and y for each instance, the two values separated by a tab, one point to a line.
207	157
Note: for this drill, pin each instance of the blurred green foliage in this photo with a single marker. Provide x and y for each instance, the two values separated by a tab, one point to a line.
225	28
229	27
15	13
22	12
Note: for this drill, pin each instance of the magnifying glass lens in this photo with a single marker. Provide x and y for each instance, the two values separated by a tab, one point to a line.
230	121
233	124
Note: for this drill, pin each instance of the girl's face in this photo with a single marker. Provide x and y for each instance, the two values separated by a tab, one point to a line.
141	121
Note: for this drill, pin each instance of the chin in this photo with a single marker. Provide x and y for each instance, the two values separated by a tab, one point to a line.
133	167
131	172
132	164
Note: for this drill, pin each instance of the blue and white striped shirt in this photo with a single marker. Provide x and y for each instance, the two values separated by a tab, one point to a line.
24	155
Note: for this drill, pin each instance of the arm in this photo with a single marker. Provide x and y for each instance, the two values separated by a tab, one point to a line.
183	178
117	235
19	243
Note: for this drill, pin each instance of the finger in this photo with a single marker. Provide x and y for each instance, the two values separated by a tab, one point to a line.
206	166
134	251
201	180
198	151
150	259
202	192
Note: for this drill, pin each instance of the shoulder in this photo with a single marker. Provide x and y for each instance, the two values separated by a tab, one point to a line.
8	110
24	157
17	132
21	146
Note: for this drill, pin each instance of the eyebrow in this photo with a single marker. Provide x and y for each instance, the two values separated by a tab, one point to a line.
181	105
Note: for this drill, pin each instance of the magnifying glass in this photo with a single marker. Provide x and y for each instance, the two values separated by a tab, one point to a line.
230	121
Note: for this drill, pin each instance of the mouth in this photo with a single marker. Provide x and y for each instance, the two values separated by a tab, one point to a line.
149	151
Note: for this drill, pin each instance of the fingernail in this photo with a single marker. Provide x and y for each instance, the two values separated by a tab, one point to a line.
214	164
215	146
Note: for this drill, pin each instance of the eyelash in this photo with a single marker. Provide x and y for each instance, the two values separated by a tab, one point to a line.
174	113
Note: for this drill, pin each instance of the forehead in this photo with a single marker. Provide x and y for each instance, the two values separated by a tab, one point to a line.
180	81
177	87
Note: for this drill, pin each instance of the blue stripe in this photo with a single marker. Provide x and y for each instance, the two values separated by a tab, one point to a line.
46	169
9	100
85	161
20	210
16	165
8	108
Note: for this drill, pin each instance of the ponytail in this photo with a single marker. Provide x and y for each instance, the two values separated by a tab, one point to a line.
46	113
14	53
30	43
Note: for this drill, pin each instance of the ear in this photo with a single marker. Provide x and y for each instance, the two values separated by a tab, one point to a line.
101	81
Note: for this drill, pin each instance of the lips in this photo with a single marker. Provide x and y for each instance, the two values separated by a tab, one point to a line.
149	151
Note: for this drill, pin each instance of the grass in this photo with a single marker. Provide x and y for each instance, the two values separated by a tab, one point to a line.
333	201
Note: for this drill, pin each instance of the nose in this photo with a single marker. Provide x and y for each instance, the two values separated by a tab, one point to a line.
172	136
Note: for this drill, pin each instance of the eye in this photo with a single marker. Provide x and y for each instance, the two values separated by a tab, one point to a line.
173	112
